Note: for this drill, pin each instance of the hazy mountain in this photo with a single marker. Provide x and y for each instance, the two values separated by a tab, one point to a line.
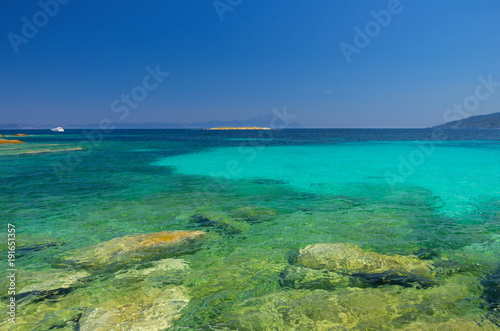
490	121
264	120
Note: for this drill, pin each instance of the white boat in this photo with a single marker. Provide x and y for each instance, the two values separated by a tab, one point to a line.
58	129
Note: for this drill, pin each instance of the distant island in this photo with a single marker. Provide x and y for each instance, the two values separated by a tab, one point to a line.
490	121
240	128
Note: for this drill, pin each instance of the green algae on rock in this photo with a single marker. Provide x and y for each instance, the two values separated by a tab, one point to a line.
350	259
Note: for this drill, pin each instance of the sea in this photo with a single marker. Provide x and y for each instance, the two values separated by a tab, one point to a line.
261	197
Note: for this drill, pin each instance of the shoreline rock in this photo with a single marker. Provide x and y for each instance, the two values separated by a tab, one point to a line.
10	141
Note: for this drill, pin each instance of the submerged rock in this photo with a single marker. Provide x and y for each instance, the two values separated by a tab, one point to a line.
254	214
306	278
19	135
454	324
132	249
10	141
350	259
221	223
491	294
165	271
29	243
143	296
65	319
49	284
382	308
153	310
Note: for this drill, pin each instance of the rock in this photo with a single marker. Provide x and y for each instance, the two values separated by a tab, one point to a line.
155	310
54	279
485	253
350	259
453	324
65	319
254	214
381	308
220	222
305	278
43	151
169	271
141	297
19	135
491	294
10	141
133	249
48	284
27	244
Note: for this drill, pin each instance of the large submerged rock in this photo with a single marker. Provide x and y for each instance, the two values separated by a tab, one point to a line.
350	259
50	284
133	249
382	308
155	310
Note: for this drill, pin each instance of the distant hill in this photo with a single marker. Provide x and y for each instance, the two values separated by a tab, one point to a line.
490	121
264	120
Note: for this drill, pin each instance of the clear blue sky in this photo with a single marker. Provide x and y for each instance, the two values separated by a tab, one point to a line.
262	55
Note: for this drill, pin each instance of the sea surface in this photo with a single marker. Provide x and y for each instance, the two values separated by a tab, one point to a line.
261	197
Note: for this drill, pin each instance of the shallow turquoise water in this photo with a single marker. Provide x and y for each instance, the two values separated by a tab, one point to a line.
461	176
270	195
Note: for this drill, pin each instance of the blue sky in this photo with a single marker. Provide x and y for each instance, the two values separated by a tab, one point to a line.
262	55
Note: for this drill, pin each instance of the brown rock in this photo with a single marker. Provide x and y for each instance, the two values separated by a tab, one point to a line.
132	249
9	141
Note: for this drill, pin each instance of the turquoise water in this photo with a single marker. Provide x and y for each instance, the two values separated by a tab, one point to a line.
260	197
